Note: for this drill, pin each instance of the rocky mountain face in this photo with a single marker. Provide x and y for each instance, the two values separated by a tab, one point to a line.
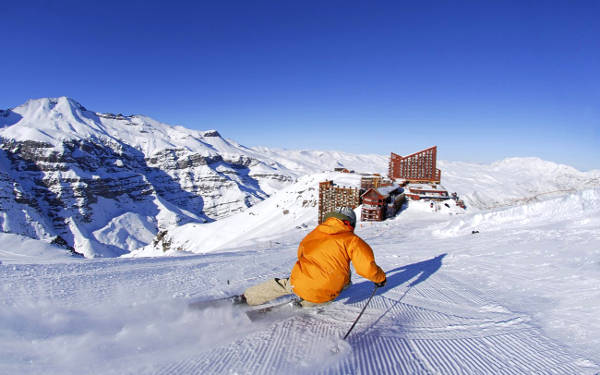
106	184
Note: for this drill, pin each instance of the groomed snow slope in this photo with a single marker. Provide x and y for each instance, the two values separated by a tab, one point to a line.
512	299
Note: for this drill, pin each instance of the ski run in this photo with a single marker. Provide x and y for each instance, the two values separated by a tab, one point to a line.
521	296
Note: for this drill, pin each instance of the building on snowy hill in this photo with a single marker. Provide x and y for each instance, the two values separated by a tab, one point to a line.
343	170
381	202
416	168
332	196
426	191
374	181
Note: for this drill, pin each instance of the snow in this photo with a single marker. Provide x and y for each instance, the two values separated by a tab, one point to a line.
55	120
308	161
131	229
510	285
513	181
519	296
172	162
291	210
16	249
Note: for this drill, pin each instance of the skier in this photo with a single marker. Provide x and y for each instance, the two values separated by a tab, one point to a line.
323	266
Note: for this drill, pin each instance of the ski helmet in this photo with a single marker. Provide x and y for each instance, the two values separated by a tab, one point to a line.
343	213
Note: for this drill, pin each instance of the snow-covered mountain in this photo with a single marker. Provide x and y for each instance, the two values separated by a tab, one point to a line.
310	161
514	181
106	184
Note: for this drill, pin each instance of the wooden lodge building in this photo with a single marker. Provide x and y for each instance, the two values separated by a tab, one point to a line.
379	203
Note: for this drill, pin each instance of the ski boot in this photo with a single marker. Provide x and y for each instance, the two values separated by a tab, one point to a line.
239	299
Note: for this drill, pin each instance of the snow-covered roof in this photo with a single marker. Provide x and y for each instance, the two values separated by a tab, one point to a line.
384	190
432	187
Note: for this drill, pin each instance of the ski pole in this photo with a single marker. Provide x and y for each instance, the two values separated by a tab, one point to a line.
359	315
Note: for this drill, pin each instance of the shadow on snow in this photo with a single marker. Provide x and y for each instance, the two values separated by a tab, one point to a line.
417	272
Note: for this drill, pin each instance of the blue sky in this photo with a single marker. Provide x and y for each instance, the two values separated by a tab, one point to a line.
482	80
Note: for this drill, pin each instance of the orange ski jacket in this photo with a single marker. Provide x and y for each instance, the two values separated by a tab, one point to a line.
323	266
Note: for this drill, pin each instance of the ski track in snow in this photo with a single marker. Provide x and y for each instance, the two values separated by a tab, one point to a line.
406	330
425	321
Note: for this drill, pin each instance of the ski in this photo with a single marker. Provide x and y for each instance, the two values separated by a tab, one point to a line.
278	309
283	309
235	300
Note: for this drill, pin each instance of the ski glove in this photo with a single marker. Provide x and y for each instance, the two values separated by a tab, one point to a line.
381	284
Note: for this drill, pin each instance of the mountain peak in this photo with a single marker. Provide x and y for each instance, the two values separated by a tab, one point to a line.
62	103
56	120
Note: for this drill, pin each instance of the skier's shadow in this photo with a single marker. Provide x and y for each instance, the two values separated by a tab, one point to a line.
417	272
